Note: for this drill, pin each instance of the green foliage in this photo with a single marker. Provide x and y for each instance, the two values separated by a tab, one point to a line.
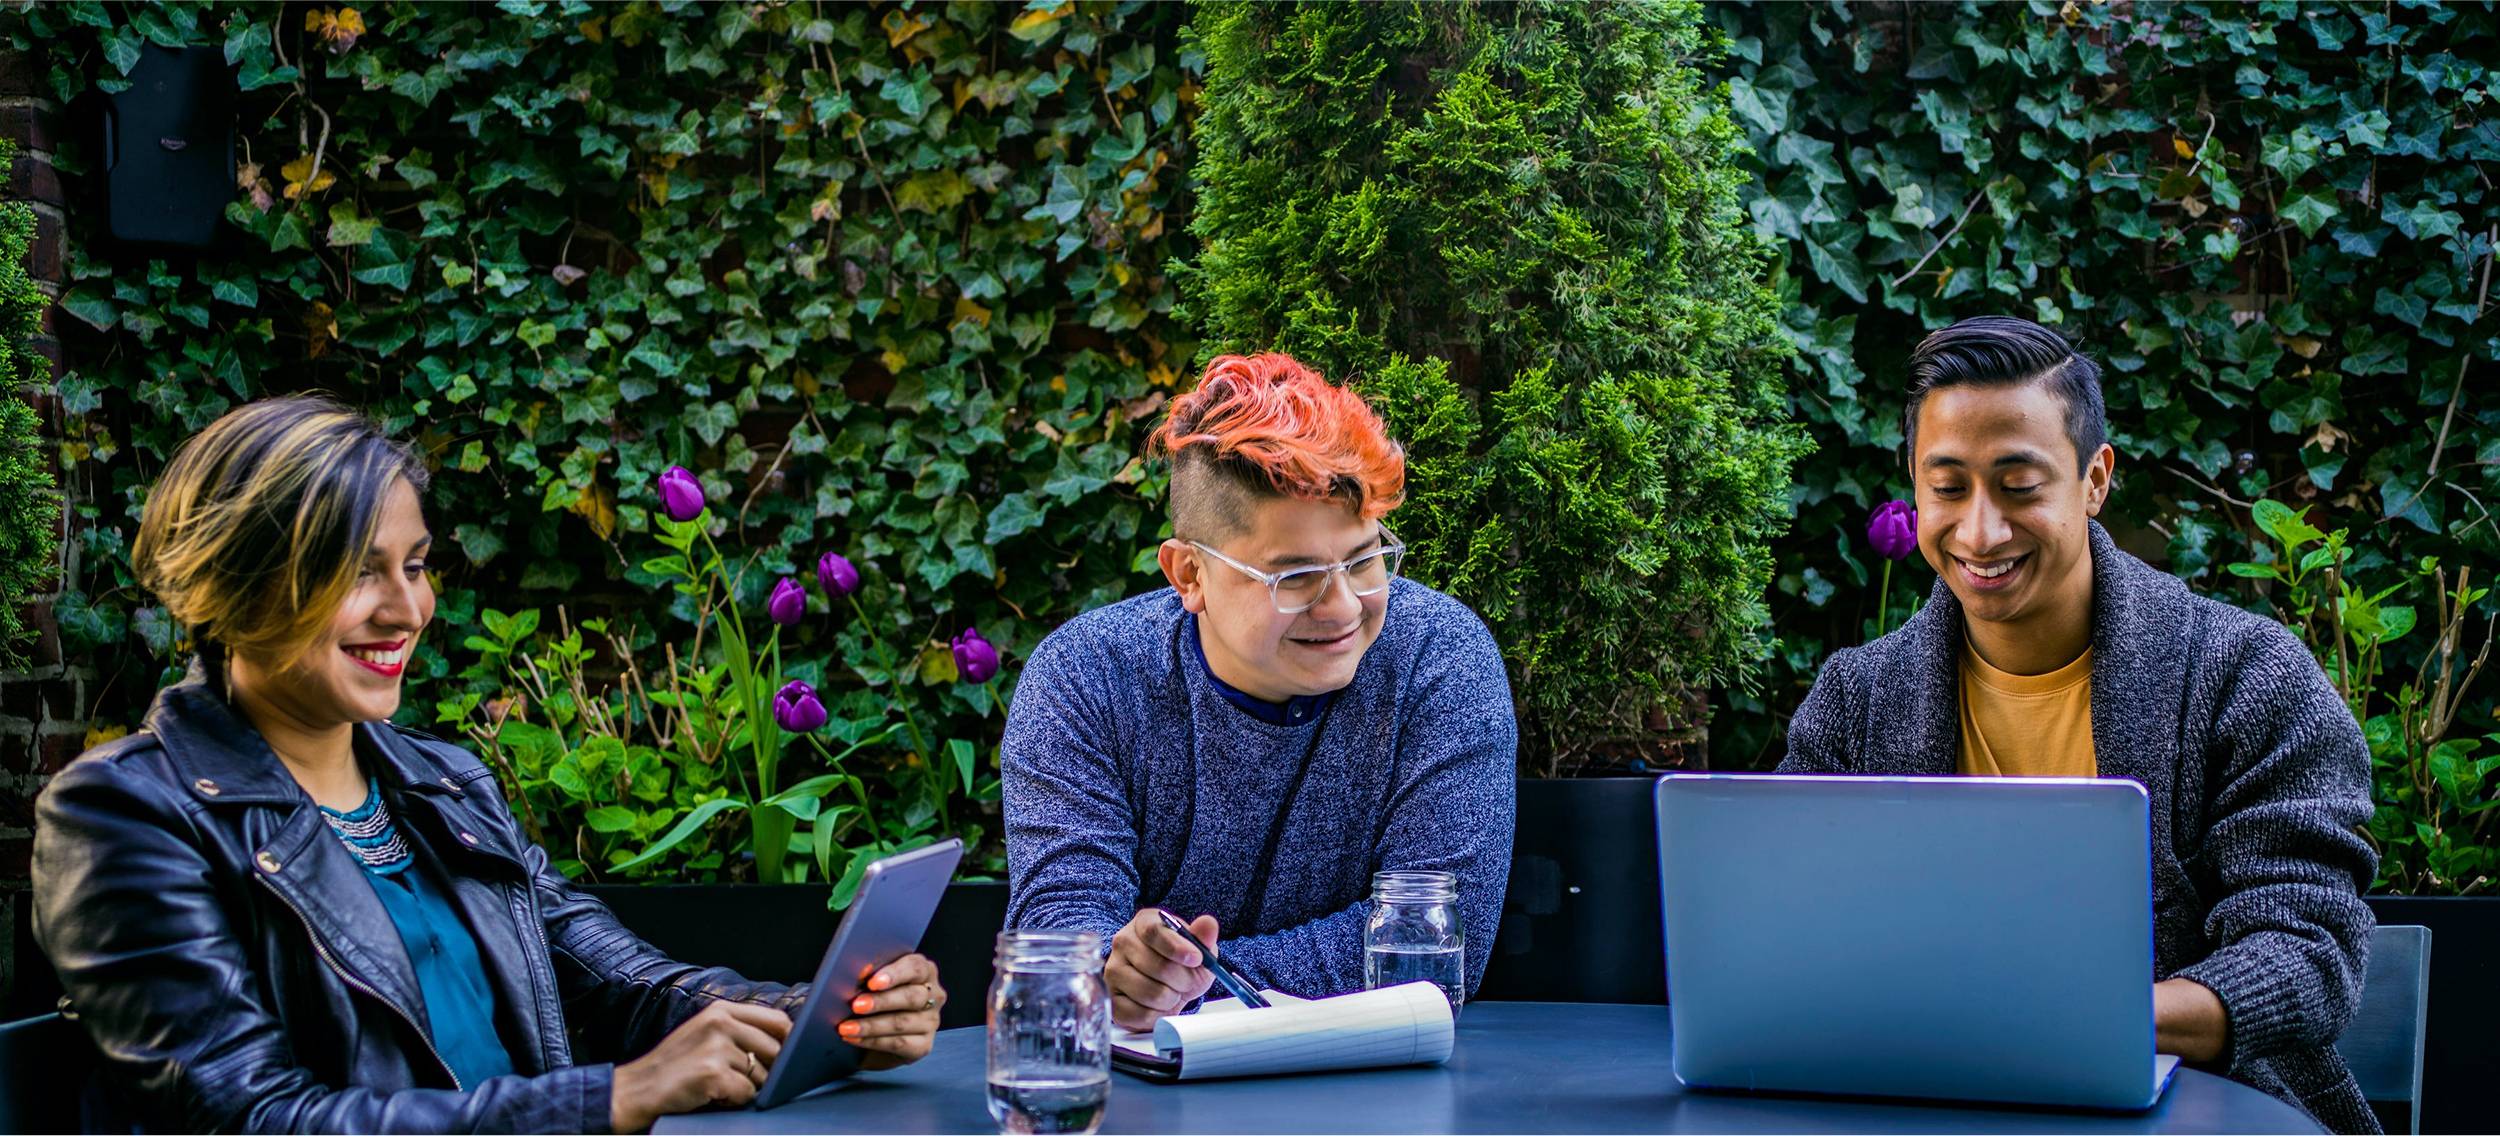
2272	221
30	506
889	275
1516	228
2437	802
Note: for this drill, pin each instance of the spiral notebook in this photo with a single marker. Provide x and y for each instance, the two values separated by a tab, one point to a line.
1395	1025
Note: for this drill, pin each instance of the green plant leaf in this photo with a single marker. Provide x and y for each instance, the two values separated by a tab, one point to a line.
678	832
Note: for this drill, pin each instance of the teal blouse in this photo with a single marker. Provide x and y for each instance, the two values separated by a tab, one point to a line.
459	1006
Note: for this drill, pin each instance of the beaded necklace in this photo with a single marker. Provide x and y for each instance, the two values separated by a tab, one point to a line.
369	833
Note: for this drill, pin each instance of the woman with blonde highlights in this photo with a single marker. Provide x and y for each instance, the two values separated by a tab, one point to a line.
275	911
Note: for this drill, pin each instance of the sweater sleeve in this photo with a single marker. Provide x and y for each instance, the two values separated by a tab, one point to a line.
2288	787
1818	732
1453	810
1071	839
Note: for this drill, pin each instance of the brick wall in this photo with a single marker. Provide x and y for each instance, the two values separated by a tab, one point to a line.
43	708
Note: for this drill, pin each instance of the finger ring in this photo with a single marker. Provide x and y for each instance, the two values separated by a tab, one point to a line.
932	1004
750	1063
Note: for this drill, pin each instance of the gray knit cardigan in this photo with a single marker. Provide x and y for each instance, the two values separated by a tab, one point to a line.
2259	782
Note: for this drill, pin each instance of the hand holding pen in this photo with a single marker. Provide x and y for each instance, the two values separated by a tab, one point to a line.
1158	966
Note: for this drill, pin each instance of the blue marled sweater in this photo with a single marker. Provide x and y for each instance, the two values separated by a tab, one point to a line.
1131	782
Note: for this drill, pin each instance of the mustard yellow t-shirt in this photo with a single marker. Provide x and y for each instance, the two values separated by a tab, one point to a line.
2027	725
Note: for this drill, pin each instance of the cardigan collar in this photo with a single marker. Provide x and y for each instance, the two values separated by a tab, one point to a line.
2137	652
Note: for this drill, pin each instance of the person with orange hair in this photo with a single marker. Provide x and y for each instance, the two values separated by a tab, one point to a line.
1252	744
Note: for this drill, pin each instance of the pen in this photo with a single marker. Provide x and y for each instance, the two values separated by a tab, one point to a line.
1234	982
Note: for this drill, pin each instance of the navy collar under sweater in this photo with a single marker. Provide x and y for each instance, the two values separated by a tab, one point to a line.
2259	782
1290	712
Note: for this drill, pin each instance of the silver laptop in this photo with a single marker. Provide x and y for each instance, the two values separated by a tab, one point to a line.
1964	938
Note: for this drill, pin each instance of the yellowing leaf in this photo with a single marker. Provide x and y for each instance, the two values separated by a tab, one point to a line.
1038	24
321	328
893	361
901	25
658	181
595	29
597	506
1059	383
2181	147
296	171
101	733
2303	346
1161	375
965	309
937	664
931	191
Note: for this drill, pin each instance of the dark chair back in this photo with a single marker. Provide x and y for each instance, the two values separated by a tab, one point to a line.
2383	1044
44	1066
1580	922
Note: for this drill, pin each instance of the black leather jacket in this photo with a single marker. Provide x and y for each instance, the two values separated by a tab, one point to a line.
230	959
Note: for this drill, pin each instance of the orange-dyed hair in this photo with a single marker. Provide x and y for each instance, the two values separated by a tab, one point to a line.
1267	426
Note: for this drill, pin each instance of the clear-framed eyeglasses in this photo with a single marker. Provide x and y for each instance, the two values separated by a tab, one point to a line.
1297	590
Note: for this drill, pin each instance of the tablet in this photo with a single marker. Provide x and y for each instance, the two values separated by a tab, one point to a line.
891	911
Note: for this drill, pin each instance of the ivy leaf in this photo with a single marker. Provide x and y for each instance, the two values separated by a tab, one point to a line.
1840	268
2424	220
2310	211
121	49
347	228
1039	21
89	302
1015	513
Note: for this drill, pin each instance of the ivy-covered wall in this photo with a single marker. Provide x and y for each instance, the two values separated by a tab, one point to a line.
889	279
2275	222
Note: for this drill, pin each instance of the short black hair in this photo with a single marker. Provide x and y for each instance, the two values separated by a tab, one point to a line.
1993	351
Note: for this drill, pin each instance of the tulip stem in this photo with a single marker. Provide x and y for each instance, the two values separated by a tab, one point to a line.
894	680
1883	601
741	662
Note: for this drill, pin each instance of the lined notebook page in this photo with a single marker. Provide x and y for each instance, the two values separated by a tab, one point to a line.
1396	1025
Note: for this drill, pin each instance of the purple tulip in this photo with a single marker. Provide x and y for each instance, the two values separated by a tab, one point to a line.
1893	530
681	496
789	602
835	573
975	657
797	710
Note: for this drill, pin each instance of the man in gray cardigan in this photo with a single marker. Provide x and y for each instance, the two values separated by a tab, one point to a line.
2259	778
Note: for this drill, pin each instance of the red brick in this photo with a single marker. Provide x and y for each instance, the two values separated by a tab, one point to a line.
43	262
45	403
54	752
34	179
38	699
32	125
21	72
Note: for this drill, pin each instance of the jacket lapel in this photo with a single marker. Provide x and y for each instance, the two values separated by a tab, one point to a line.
294	854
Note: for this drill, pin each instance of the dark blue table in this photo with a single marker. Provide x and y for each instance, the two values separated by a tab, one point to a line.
1520	1067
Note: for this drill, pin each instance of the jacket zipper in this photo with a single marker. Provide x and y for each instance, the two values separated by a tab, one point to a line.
341	969
525	907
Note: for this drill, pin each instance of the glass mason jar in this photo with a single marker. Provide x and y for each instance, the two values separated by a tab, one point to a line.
1050	1033
1414	934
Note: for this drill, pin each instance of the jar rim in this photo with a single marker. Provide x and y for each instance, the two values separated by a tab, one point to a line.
1414	884
1049	949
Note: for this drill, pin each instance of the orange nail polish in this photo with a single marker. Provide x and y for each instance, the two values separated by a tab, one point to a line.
862	1005
850	1029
